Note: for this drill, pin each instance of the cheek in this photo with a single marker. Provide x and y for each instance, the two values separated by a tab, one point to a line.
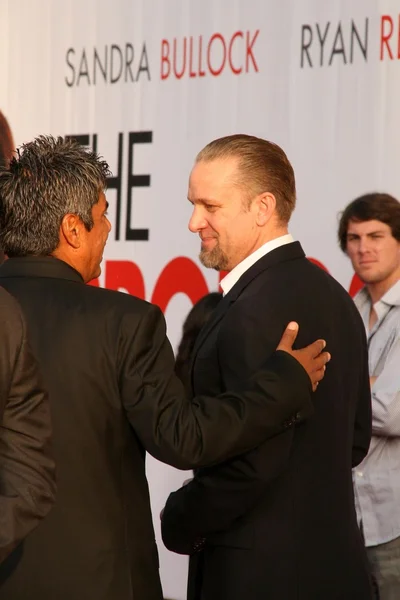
351	252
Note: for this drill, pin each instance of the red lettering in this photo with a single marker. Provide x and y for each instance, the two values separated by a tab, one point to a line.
249	50
237	71
181	275
201	72
165	59
191	72
221	275
179	75
355	285
216	72
318	263
124	274
384	36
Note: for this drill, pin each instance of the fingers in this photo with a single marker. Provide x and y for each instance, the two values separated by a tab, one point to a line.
320	360
316	377
289	336
316	349
320	366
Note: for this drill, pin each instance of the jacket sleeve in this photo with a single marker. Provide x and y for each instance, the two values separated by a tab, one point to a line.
188	433
217	497
27	469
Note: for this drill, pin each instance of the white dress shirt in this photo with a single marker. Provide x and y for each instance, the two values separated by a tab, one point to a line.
233	276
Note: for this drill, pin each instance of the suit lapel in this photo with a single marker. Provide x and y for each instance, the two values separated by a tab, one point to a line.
217	315
284	253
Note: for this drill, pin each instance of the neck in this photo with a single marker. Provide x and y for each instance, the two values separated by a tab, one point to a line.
70	260
277	232
379	289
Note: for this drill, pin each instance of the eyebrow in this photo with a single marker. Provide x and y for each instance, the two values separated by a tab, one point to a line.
204	201
369	233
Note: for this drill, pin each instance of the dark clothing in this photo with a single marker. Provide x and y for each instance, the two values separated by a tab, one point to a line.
27	470
279	522
110	370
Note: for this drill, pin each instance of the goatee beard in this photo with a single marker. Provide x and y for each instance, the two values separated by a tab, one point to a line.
214	259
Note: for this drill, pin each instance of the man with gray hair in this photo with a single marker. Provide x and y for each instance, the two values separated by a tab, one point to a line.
110	371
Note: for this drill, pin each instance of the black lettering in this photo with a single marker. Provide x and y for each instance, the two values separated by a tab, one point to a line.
102	67
340	48
94	143
354	34
128	61
83	68
305	45
117	49
136	137
82	139
115	183
72	81
143	63
322	41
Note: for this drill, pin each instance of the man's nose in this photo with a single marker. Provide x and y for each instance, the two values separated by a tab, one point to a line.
197	220
364	245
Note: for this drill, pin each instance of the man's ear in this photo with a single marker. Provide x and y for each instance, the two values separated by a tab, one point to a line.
71	230
266	206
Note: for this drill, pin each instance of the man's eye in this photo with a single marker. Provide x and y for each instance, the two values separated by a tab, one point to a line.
211	207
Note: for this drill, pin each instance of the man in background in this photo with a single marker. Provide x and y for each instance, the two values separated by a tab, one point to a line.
27	472
277	523
110	372
369	233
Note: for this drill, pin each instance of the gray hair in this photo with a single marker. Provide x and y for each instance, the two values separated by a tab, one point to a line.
47	179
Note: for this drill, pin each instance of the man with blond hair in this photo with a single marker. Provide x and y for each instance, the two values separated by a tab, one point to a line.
278	522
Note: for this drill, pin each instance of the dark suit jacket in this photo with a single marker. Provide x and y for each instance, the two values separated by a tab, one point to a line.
279	522
27	470
110	371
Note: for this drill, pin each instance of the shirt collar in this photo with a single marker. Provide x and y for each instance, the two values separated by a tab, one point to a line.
391	298
233	276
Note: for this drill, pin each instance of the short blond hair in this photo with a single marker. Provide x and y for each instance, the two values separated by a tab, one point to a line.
262	167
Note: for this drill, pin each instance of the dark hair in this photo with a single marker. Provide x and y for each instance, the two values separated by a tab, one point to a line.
370	207
47	179
263	167
196	318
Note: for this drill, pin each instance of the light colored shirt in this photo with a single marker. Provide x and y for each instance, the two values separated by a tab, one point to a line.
377	478
233	276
